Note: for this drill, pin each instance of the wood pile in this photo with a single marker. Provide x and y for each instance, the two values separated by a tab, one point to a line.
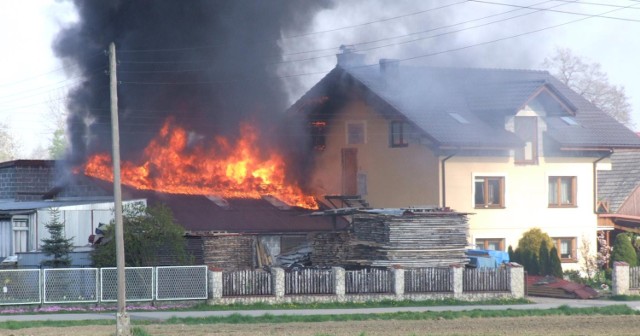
430	239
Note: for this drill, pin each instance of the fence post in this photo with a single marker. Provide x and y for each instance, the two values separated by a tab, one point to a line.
398	281
215	285
516	281
339	281
620	278
457	278
277	281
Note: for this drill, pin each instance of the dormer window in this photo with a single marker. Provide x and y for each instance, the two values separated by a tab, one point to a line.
526	128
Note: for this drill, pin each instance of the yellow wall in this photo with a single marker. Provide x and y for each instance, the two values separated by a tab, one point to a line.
396	177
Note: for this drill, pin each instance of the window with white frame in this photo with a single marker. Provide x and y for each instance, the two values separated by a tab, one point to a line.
20	236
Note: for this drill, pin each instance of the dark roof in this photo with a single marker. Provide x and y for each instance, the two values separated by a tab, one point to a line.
197	213
28	163
617	184
484	97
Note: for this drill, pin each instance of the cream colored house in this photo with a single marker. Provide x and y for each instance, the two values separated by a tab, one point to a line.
516	148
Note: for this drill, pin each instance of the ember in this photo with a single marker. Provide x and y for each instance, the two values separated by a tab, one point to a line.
169	164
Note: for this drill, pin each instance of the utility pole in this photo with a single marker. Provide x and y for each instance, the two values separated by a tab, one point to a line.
123	325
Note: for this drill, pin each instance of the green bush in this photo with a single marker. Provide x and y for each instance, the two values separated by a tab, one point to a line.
532	239
623	250
555	264
544	260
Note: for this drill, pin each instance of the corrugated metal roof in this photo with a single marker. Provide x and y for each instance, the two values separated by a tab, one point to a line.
10	206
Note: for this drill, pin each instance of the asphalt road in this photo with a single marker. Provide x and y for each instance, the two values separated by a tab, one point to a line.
539	303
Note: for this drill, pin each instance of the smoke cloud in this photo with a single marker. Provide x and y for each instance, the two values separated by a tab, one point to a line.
204	62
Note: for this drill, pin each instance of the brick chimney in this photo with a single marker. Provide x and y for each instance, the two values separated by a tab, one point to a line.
349	58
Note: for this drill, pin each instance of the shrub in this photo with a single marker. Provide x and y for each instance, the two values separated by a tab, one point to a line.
555	264
623	250
544	260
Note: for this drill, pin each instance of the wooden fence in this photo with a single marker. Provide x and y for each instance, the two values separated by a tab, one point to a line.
373	280
309	281
247	283
424	280
486	280
634	277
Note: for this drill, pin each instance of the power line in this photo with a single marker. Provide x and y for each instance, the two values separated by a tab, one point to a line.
375	41
303	34
565	12
404	59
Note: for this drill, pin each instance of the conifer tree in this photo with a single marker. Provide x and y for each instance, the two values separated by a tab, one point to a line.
556	265
623	250
545	262
56	245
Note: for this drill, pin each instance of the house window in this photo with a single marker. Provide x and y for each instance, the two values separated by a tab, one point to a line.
318	132
527	129
20	236
398	134
489	192
562	191
496	244
566	247
356	133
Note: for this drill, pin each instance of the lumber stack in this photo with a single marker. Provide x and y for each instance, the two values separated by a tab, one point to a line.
433	239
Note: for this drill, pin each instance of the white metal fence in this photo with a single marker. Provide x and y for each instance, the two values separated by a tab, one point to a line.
93	285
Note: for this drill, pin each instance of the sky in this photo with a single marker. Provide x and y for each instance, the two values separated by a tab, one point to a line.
495	34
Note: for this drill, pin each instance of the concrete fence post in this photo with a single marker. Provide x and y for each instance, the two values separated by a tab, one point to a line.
398	281
339	281
277	281
215	285
457	276
516	285
620	278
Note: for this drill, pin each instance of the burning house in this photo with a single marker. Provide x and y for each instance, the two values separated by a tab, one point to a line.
517	148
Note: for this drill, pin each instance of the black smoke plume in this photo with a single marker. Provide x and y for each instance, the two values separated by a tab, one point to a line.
204	62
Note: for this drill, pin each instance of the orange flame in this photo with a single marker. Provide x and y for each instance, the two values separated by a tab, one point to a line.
170	165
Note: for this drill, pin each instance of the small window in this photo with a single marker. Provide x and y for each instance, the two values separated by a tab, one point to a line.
496	244
356	133
318	135
489	192
458	118
562	191
566	247
398	132
569	121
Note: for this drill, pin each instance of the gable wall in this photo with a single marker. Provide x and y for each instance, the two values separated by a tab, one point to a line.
396	177
631	206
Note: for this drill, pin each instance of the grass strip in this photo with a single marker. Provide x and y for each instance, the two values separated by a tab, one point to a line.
270	318
350	305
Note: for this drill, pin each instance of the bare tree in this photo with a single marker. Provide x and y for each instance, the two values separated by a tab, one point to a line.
8	144
591	82
58	117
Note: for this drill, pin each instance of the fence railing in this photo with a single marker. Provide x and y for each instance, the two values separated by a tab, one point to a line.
20	287
634	277
247	283
486	280
93	285
428	280
372	280
309	281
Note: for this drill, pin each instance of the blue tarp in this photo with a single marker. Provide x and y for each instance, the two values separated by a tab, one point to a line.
487	258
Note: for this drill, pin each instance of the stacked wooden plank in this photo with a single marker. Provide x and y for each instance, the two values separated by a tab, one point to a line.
431	239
